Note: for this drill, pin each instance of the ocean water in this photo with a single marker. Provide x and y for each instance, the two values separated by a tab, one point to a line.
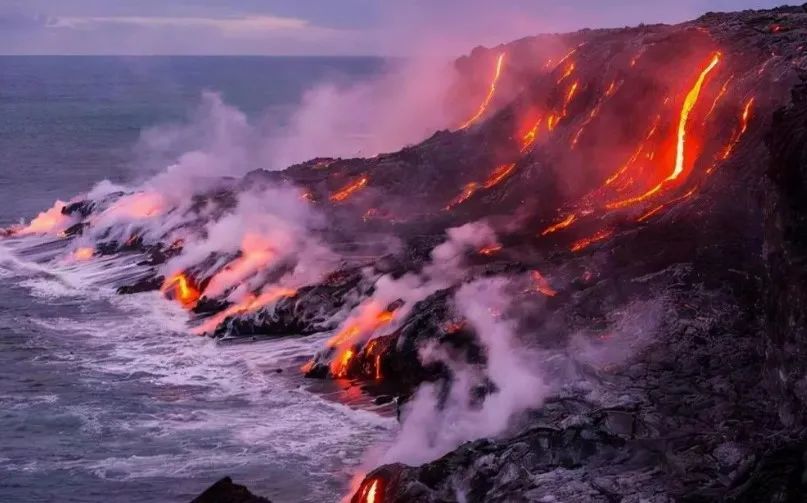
107	398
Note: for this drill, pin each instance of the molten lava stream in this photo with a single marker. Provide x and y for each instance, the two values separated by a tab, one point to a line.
490	250
566	222
613	87
717	99
250	304
660	207
498	175
491	92
584	243
680	166
369	319
741	129
50	221
82	254
466	194
349	189
632	159
541	285
183	290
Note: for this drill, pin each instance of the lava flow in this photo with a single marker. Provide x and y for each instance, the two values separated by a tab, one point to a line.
742	128
612	89
491	92
584	243
566	222
541	285
50	221
498	175
257	252
349	189
183	289
463	196
681	136
369	319
249	305
370	492
83	253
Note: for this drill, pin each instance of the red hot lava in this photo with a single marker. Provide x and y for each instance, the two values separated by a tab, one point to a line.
491	92
349	189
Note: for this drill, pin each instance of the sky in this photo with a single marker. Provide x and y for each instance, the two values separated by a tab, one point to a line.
315	27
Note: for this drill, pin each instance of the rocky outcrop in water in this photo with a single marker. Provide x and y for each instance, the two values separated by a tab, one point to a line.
225	491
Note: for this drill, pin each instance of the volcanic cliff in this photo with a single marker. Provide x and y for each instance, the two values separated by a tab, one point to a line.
633	204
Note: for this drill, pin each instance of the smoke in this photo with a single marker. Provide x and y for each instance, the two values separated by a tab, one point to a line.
404	105
486	399
433	424
446	267
269	227
187	158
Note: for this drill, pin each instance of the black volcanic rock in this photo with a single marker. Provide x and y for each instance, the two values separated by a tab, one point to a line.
786	256
714	408
225	491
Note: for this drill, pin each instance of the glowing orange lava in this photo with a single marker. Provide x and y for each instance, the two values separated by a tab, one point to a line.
567	72
371	492
528	139
186	293
612	89
50	221
249	305
490	250
378	367
635	154
660	207
140	205
349	189
742	128
498	175
257	252
689	104
466	194
719	96
566	222
491	92
84	253
541	285
584	243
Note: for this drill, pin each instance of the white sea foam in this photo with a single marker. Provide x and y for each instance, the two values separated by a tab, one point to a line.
229	394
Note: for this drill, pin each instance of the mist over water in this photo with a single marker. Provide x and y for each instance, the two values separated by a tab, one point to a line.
108	398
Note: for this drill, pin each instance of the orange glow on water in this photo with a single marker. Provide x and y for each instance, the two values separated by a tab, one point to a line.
84	253
491	92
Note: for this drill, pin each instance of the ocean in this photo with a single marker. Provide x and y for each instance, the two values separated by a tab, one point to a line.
107	398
